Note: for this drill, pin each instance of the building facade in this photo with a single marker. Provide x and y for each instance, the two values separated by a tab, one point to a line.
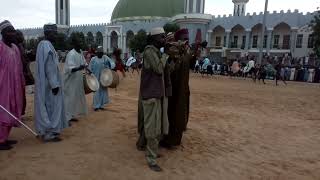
237	34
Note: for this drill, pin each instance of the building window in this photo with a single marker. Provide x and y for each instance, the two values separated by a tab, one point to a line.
276	41
198	6
310	41
286	42
255	42
224	41
243	42
235	42
191	6
218	41
299	41
265	40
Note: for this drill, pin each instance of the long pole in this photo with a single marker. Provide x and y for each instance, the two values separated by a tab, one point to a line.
263	31
24	125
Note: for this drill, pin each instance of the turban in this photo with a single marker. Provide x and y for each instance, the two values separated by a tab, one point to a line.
100	49
50	27
4	25
182	34
157	31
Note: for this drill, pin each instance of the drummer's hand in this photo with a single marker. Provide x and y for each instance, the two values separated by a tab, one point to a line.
55	91
82	67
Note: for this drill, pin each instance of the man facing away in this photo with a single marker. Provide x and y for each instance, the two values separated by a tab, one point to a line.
151	100
11	84
50	117
74	95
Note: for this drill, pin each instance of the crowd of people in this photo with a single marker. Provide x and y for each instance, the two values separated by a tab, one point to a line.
60	98
285	68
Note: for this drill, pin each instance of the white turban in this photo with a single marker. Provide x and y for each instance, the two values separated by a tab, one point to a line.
157	31
4	25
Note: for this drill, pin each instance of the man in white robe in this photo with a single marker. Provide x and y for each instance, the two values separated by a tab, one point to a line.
49	104
74	95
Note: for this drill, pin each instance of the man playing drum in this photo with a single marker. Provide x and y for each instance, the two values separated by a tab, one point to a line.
75	100
97	64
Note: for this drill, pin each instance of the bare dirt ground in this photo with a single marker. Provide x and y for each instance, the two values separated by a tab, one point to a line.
238	130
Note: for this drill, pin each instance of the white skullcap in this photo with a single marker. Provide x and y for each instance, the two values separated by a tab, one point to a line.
5	24
157	31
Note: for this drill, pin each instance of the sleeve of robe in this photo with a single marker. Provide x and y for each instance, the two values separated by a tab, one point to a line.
153	62
52	72
69	64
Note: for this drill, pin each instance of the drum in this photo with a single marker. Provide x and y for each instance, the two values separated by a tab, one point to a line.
90	83
109	79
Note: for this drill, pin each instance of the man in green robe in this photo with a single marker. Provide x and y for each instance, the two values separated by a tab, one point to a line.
152	120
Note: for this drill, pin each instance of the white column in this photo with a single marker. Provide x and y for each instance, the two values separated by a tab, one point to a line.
208	38
202	6
187	10
248	35
194	8
108	43
105	43
228	32
124	45
119	41
68	13
293	38
64	12
269	40
58	12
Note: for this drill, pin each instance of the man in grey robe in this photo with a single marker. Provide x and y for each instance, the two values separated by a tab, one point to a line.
74	95
50	117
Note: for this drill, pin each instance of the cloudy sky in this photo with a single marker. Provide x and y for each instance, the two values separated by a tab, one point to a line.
35	13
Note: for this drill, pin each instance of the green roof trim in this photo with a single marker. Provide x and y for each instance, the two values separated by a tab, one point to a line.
136	8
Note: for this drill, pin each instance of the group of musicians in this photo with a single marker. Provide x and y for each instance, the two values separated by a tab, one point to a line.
58	99
163	106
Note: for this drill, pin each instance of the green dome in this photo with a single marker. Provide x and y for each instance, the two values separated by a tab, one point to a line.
147	8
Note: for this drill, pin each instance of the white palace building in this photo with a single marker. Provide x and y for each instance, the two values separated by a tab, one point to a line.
235	34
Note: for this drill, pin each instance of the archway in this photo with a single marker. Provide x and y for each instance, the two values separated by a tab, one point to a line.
114	40
238	38
218	37
281	37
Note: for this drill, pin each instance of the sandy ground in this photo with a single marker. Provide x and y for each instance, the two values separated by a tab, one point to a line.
238	130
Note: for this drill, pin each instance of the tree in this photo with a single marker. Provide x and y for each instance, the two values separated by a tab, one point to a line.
81	39
61	42
139	41
315	24
171	27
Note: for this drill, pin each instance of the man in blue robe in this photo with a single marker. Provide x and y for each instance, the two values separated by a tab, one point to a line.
97	64
50	117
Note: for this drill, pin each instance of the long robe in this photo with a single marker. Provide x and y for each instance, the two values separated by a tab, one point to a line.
50	116
74	95
101	97
11	87
179	103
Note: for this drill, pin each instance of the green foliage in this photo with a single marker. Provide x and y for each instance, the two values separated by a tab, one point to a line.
171	27
315	23
80	37
32	44
60	43
139	41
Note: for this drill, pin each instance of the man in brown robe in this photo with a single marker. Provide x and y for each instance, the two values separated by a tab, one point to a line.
179	102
